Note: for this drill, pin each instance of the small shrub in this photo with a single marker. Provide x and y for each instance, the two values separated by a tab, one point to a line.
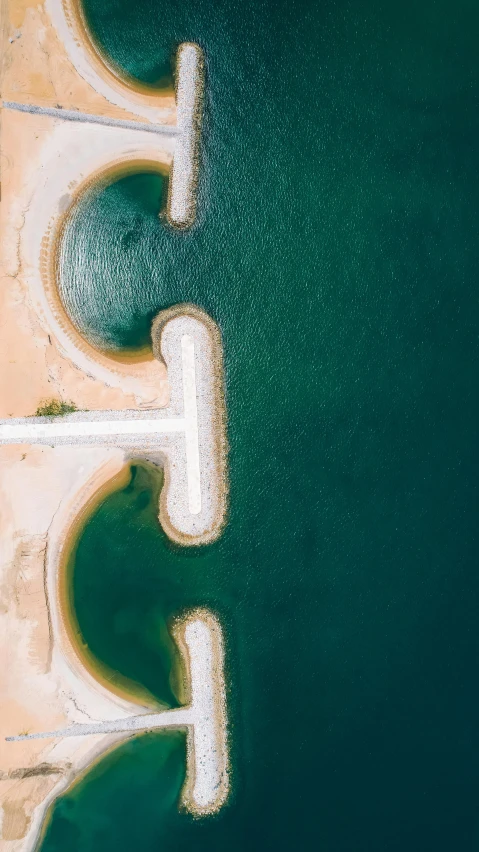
55	408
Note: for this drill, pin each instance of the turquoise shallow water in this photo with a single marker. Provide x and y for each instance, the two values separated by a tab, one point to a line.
336	247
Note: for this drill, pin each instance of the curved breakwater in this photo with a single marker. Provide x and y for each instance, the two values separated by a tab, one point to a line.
92	64
73	165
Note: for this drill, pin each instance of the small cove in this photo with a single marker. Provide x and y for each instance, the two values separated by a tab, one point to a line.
120	614
123	213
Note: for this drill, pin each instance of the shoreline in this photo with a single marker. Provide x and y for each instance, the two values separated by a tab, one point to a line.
95	757
50	165
207	778
51	270
92	497
110	365
94	160
113	474
92	694
74	8
134	373
107	79
156	106
45	684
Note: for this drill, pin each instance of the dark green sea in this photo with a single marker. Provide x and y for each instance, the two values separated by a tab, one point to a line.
337	247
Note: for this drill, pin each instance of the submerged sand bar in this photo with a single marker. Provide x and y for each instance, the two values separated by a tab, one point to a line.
205	718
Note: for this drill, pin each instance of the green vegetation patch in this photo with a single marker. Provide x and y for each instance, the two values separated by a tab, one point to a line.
55	408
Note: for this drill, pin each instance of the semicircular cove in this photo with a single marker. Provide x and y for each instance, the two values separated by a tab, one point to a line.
110	271
118	593
148	71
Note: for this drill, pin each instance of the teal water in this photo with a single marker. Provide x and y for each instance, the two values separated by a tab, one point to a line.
124	217
336	246
154	762
124	537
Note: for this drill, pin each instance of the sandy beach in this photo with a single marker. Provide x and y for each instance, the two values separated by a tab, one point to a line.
38	685
46	165
47	685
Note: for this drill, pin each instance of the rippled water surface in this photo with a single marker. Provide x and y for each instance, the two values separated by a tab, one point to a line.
336	246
